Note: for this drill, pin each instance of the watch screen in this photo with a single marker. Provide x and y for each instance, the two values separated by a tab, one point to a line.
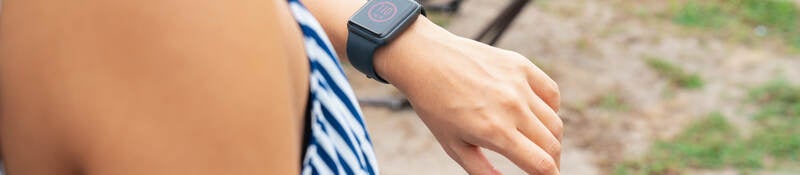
381	16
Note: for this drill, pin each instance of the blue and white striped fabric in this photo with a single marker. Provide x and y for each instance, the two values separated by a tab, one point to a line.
338	142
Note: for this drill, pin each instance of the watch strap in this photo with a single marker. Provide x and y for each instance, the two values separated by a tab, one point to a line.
360	51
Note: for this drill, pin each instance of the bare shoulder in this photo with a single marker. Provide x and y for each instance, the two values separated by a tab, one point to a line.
155	87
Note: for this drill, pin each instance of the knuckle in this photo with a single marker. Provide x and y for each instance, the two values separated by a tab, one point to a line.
555	88
546	166
552	92
518	55
510	102
507	102
520	61
553	148
558	128
487	131
554	84
509	53
525	65
552	96
515	107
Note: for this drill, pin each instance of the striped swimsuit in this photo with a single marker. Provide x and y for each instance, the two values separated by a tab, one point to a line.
336	140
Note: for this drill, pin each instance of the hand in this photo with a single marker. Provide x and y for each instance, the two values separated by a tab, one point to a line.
472	95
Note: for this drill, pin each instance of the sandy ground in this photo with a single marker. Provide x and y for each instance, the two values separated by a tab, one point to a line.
592	49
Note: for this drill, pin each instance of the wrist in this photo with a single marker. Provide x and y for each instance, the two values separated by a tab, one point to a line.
411	50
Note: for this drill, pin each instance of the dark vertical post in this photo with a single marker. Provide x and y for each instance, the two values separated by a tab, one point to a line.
492	33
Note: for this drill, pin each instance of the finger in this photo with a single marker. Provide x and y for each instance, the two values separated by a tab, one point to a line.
544	87
547	116
527	155
536	131
472	159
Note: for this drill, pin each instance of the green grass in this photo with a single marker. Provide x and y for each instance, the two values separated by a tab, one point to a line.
796	42
614	102
714	143
676	75
781	18
778	97
711	142
440	18
780	116
695	14
779	14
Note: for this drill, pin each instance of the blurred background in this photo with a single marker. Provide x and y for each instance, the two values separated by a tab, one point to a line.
648	86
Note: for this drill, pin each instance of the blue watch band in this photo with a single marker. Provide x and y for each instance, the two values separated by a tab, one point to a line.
360	51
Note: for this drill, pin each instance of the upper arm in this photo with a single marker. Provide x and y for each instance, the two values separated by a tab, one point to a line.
149	86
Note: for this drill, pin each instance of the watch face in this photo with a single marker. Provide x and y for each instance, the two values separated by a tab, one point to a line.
380	16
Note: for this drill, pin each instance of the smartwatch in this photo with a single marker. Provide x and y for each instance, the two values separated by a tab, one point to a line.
375	24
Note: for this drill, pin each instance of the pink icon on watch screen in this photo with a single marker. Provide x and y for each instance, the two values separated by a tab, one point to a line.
382	11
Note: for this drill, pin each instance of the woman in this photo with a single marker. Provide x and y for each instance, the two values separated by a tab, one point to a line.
230	87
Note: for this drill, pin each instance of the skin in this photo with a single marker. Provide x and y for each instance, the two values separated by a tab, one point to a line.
161	87
149	87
